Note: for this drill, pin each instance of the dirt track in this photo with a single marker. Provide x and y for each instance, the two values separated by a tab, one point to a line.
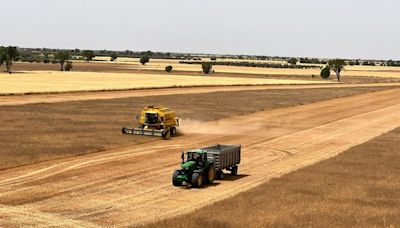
131	186
82	96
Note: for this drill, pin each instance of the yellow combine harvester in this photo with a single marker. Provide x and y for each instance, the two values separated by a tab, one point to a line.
155	121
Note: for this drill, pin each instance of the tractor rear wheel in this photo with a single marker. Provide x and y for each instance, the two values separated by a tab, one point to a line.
175	180
211	174
197	180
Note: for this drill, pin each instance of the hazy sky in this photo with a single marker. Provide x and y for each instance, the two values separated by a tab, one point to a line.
315	28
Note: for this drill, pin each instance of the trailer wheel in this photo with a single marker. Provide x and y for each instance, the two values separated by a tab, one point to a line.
220	175
211	174
175	180
197	180
173	131
234	170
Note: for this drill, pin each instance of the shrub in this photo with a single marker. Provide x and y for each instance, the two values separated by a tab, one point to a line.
168	68
326	72
144	59
293	61
113	57
68	66
213	58
207	67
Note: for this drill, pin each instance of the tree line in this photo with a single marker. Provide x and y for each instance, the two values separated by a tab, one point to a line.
253	64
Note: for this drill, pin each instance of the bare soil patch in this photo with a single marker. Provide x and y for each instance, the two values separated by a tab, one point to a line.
360	187
37	132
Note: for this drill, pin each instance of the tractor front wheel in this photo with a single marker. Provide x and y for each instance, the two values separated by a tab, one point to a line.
197	180
175	180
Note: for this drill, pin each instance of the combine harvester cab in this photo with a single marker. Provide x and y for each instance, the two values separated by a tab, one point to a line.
203	166
155	121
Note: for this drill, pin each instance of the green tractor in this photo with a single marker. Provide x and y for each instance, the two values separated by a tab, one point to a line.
196	170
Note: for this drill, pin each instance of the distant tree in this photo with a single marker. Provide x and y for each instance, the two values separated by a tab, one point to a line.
114	56
337	65
213	58
46	57
2	56
7	56
207	67
392	63
326	72
68	66
61	57
168	68
144	59
88	55
293	61
263	57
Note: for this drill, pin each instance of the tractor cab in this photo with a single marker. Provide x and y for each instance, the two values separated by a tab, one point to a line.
198	157
152	118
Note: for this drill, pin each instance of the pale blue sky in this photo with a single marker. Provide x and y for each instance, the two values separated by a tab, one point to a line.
314	28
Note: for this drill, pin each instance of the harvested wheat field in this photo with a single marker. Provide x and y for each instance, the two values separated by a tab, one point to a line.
53	81
366	71
131	185
61	129
357	188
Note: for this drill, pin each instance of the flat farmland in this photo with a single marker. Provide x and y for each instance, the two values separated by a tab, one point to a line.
377	72
358	188
351	74
38	132
54	81
131	186
366	71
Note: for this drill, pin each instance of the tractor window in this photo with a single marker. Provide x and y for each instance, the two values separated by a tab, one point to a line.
151	118
189	156
196	156
192	156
